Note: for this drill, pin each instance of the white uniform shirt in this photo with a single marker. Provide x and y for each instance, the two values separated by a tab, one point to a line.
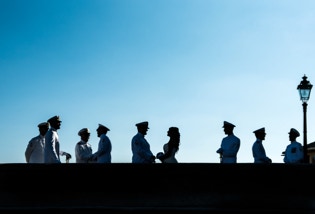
83	151
103	153
34	152
51	151
229	148
259	152
294	153
140	148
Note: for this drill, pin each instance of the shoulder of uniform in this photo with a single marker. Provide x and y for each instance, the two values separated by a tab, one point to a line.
35	138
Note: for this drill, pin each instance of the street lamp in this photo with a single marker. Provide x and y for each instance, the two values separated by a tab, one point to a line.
305	88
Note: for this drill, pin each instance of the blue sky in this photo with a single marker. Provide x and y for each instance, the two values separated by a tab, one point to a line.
186	63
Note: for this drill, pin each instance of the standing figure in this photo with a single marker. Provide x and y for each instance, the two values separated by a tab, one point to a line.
83	150
52	150
34	152
170	148
103	153
258	149
141	152
229	145
294	151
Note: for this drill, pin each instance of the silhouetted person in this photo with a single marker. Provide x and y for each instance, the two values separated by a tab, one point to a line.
103	153
294	151
170	148
141	152
229	145
52	150
258	149
34	152
83	150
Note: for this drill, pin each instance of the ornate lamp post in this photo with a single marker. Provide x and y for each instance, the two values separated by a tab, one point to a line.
305	88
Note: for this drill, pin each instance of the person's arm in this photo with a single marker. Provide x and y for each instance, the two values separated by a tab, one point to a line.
232	152
220	151
29	150
81	153
168	148
104	146
286	158
63	153
51	153
143	150
261	154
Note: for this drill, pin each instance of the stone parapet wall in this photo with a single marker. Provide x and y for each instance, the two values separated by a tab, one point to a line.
184	187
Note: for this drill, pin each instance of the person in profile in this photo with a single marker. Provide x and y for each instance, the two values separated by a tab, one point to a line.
294	151
83	150
229	145
52	150
258	149
170	148
140	148
34	152
103	153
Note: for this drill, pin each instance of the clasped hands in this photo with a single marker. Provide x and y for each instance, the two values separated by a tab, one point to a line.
93	158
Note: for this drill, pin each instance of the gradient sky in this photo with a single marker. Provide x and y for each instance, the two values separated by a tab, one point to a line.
186	63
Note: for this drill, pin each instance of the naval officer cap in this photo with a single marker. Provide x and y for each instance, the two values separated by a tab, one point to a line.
103	127
84	131
227	124
54	119
143	124
44	124
261	130
294	132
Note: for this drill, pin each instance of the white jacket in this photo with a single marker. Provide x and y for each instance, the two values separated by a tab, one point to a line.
34	152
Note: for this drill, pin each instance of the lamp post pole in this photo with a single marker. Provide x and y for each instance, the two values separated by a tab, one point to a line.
305	88
306	159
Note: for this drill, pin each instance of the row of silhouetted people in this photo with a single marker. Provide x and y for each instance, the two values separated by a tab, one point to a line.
45	148
230	146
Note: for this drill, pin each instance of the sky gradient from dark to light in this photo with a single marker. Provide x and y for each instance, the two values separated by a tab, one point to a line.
186	63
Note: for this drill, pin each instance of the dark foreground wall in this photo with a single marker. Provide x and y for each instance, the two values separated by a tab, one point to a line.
136	188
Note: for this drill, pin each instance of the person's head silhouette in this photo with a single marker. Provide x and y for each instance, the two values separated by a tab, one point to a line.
260	133
43	128
143	127
54	122
293	134
228	127
101	130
